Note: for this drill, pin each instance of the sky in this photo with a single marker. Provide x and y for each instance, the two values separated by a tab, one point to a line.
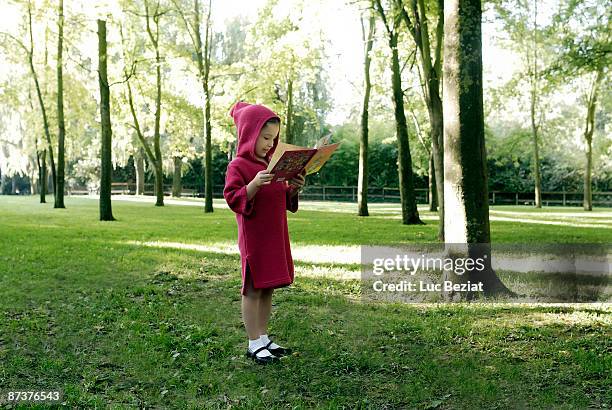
340	24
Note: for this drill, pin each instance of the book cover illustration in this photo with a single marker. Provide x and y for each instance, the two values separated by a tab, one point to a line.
289	160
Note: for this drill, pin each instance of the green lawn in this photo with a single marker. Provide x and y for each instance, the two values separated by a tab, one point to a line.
117	313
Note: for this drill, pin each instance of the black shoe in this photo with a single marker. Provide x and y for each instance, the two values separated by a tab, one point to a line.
261	360
279	351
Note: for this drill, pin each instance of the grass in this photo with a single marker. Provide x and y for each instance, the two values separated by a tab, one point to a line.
86	309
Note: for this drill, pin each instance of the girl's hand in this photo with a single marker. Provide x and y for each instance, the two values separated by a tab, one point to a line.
298	181
262	178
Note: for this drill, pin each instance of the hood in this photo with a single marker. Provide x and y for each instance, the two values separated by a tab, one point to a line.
249	120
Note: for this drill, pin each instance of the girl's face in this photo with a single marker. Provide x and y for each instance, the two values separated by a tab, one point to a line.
265	141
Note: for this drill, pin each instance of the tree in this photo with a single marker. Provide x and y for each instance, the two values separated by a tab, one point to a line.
531	39
466	220
203	58
362	188
288	76
152	17
534	82
585	54
41	158
139	159
61	127
416	23
410	214
587	202
106	210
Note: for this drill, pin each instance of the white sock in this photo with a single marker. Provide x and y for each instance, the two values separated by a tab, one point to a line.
264	340
256	344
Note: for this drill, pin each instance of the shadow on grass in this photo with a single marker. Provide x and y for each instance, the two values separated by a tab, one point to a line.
167	332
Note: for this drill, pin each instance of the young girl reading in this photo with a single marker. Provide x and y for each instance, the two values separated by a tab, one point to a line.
261	212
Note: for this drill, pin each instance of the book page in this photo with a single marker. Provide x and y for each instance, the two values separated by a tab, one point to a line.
323	141
320	158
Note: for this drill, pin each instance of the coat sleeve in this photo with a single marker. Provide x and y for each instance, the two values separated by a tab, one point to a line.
235	192
292	200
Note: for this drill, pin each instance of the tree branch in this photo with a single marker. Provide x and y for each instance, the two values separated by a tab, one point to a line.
439	39
381	12
404	15
188	26
15	39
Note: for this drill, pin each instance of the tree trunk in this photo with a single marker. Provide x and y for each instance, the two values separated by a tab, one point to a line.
362	188
587	201
159	184
534	127
536	166
208	202
231	147
432	74
33	181
14	184
203	59
50	184
433	197
140	171
410	214
466	220
106	209
177	187
289	137
536	155
61	127
437	150
588	137
159	193
42	177
157	157
431	69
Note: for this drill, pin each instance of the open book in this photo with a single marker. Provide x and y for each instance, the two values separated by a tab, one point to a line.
290	160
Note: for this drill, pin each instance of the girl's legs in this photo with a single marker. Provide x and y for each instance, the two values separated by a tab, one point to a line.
265	309
250	315
250	309
256	310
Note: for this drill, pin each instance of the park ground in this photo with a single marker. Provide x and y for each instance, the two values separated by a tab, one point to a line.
145	311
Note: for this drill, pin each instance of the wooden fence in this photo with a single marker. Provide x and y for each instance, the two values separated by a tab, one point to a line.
376	194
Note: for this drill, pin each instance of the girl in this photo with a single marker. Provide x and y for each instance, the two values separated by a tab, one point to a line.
261	212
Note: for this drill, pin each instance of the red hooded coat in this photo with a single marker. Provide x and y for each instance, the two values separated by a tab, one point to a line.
263	237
